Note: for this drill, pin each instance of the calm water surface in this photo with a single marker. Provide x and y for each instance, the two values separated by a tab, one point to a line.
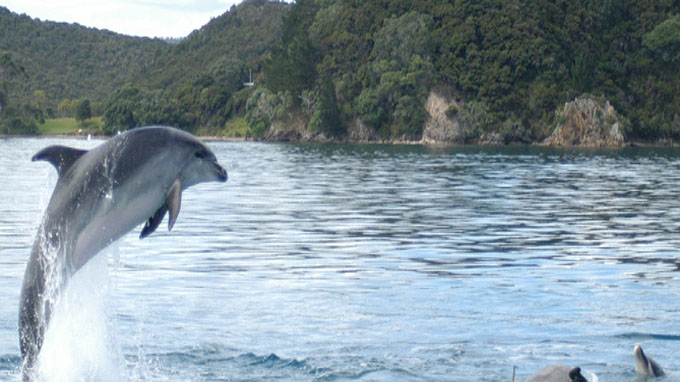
369	263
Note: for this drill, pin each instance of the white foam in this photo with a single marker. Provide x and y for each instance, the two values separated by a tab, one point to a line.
80	342
592	376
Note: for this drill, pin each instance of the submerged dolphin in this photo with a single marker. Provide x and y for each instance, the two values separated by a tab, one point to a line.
644	366
558	373
102	194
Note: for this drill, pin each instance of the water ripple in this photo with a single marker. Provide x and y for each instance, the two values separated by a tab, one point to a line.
378	263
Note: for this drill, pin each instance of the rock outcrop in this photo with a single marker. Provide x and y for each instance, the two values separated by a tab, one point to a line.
360	132
442	126
588	121
292	128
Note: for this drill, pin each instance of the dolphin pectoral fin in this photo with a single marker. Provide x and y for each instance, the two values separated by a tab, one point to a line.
154	221
174	202
61	157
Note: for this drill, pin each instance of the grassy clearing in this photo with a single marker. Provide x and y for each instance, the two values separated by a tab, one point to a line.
67	126
234	128
237	128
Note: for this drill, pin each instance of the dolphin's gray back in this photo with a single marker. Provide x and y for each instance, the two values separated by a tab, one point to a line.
552	373
105	173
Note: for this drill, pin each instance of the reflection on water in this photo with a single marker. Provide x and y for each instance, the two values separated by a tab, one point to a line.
361	262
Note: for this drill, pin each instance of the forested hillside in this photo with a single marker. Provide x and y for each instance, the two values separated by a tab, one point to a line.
199	82
238	37
49	68
69	60
509	64
356	69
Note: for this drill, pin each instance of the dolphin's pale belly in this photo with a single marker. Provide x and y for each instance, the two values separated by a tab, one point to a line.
115	217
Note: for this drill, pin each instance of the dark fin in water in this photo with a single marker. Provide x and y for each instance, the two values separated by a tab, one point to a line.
154	221
656	369
576	376
174	202
645	366
61	157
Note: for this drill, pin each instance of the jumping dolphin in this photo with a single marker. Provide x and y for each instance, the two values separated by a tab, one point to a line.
102	194
558	373
644	366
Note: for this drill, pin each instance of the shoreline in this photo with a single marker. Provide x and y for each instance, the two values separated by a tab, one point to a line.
218	138
99	136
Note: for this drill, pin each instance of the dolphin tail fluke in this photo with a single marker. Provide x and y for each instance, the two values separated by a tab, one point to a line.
174	202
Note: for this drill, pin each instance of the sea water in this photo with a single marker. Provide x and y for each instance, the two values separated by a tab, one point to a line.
368	263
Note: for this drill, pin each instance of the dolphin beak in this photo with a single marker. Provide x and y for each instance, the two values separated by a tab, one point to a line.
641	363
220	173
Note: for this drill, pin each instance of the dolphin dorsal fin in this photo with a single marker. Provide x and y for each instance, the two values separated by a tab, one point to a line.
61	157
174	202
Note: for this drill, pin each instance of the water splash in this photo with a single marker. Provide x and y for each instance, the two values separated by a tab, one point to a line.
80	342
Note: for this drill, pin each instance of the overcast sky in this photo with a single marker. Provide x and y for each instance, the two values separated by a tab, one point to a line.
152	18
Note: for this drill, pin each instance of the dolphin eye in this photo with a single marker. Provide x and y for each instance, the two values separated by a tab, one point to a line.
200	155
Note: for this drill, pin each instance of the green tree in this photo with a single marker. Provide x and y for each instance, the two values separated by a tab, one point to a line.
399	77
327	117
19	120
10	71
402	38
83	110
15	118
664	39
292	65
119	109
40	99
65	108
130	107
263	107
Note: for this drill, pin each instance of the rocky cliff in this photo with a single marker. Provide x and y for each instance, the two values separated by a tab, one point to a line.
442	124
588	121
